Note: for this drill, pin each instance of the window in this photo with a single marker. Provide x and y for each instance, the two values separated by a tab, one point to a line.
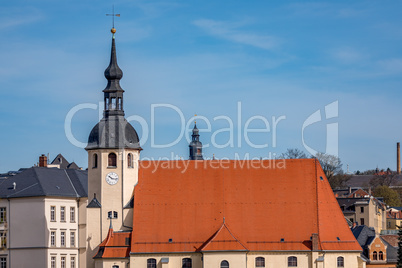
260	262
72	239
72	214
53	238
111	160
151	263
63	262
130	162
53	213
3	215
113	103
351	219
340	262
187	263
3	239
380	256
361	221
72	262
375	255
63	238
95	161
361	209
115	266
224	264
119	104
3	262
292	261
112	215
62	213
53	262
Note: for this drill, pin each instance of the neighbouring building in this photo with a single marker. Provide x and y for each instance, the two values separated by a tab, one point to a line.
362	208
378	250
42	218
394	218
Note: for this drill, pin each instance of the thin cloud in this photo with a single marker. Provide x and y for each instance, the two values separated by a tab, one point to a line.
229	32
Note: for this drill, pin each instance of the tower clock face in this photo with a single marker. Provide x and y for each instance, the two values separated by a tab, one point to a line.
112	178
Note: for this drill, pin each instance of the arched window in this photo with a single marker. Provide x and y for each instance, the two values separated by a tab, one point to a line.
95	161
187	263
340	262
292	261
151	263
375	255
111	160
380	256
224	264
260	262
130	160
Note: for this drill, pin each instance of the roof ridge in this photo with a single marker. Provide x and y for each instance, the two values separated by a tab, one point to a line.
316	197
72	185
24	189
38	181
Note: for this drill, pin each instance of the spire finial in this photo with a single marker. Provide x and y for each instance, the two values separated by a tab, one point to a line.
195	121
113	30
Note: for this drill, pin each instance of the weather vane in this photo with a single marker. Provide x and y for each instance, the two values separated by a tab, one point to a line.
113	15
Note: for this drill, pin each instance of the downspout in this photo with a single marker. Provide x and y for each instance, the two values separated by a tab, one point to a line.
122	186
9	232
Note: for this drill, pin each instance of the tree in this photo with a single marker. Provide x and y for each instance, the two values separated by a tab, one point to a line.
399	263
383	178
331	164
339	180
293	153
391	197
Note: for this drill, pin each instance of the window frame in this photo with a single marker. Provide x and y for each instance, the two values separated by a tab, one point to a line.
72	262
52	213
151	263
3	239
3	262
259	262
111	159
52	261
72	238
187	263
62	238
3	214
130	160
224	264
340	262
292	261
380	256
72	214
63	214
63	262
52	238
375	256
95	161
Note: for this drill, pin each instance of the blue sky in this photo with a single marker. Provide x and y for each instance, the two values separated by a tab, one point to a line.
277	58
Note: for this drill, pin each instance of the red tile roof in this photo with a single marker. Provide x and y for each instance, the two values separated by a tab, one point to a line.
114	245
180	206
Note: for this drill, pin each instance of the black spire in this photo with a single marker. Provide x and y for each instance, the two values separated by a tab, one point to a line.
113	92
195	145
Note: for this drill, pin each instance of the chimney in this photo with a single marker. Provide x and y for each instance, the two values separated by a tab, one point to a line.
354	224
43	161
398	158
314	240
350	189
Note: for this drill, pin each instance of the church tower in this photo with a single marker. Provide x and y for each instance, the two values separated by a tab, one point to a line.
195	145
113	153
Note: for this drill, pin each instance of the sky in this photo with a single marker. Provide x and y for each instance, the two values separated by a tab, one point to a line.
261	76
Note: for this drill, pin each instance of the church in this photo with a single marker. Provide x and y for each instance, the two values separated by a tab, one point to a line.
204	213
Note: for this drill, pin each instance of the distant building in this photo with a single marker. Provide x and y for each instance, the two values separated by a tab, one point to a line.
360	207
379	250
394	218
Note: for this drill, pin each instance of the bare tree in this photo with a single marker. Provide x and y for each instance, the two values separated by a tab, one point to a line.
331	164
383	178
293	153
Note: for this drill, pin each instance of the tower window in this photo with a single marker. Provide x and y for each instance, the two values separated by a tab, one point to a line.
106	104
95	161
119	104
112	160
113	103
112	215
130	160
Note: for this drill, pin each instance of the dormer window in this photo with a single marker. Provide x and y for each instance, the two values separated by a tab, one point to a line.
112	215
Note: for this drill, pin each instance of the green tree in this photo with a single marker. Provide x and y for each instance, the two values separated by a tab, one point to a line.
391	197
